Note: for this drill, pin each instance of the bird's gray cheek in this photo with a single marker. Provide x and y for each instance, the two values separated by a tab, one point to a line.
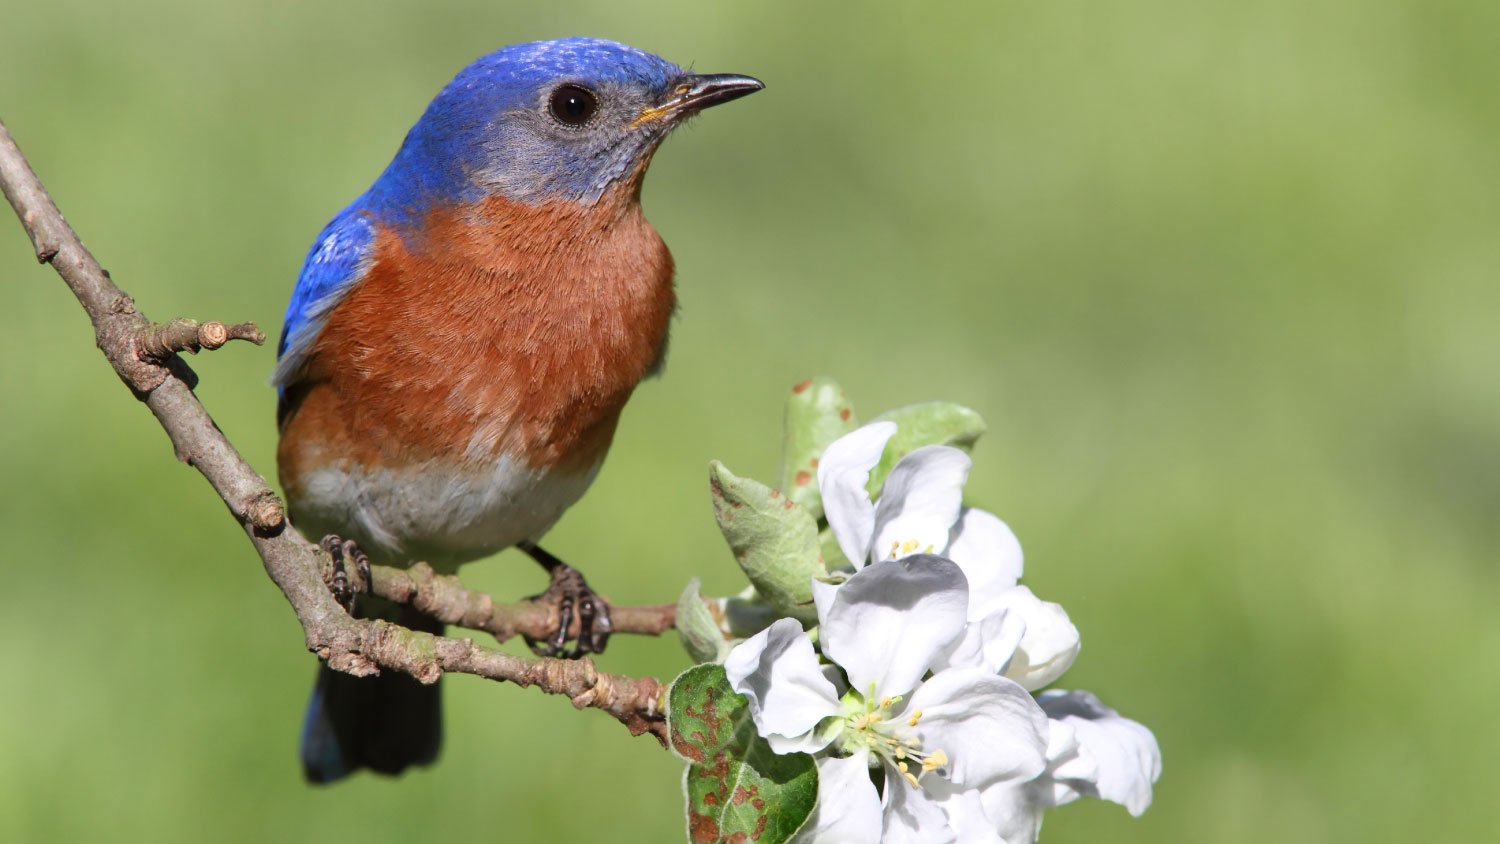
519	165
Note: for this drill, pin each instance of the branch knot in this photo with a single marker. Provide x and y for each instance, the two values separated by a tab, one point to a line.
158	342
265	512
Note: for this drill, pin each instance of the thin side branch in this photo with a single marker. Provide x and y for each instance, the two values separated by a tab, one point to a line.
159	342
444	597
295	565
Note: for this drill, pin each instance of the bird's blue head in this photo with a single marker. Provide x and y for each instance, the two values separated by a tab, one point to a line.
549	120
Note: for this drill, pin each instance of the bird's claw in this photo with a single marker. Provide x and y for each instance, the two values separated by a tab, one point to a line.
571	594
343	552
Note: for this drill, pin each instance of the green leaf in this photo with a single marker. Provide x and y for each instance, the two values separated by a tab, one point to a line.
817	413
774	539
929	423
697	628
737	788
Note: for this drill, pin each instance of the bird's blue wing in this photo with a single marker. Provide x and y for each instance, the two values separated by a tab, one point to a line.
337	261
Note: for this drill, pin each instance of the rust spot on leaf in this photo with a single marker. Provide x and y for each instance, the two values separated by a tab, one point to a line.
709	715
803	386
737	838
845	414
775	494
760	828
686	749
704	829
802	478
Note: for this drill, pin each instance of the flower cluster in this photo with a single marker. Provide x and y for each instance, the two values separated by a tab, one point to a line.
921	710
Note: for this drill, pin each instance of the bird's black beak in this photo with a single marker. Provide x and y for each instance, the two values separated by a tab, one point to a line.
695	92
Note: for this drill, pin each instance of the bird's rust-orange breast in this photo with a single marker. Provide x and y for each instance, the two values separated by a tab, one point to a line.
497	329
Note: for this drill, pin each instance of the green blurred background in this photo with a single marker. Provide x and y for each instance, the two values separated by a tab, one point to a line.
1221	277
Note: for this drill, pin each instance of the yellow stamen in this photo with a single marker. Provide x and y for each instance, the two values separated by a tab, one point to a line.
936	759
915	717
908	546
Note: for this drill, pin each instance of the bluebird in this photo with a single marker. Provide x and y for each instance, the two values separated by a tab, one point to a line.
462	339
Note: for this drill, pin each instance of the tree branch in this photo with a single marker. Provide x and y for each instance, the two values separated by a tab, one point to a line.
444	598
159	342
143	356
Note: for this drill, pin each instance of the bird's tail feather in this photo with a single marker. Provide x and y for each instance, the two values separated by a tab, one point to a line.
385	723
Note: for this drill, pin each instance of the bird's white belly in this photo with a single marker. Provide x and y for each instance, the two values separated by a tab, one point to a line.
435	512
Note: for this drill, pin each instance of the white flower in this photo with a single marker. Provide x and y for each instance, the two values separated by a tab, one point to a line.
920	511
934	647
886	628
1091	752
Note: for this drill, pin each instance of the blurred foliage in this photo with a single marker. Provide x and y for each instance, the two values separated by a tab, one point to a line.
1220	277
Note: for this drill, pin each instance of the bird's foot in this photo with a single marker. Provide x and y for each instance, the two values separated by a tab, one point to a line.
344	553
571	595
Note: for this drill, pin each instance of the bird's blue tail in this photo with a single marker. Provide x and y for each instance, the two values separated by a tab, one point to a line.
386	723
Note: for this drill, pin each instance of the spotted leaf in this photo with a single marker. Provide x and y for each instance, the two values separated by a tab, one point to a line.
817	413
737	789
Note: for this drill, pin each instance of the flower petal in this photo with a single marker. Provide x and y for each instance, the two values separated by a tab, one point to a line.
843	471
1067	766
990	729
920	502
911	815
1015	808
1126	753
1050	644
988	643
848	809
822	593
965	810
990	555
779	674
888	623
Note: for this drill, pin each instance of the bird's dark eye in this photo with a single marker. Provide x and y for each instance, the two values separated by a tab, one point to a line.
573	105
